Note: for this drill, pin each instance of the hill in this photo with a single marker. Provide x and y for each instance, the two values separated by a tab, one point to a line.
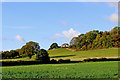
64	53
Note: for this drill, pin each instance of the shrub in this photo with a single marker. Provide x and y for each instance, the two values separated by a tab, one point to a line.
42	56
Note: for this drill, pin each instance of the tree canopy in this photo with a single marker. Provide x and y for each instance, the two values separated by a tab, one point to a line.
29	49
54	45
43	56
97	39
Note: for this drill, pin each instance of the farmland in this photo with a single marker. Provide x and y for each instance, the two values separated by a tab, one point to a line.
71	70
108	69
63	53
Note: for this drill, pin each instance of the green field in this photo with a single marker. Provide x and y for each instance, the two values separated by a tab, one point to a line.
71	70
63	53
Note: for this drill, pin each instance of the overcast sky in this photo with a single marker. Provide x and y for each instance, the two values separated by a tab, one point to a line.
50	22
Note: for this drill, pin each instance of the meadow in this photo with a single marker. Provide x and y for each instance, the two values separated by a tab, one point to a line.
64	53
71	70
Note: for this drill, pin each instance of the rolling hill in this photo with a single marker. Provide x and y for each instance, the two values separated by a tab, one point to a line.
64	53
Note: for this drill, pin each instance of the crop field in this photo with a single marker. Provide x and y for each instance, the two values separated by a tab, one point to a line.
71	70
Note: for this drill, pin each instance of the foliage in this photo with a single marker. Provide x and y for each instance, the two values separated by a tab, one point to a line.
9	54
6	54
115	30
60	53
42	55
95	39
29	49
54	45
14	53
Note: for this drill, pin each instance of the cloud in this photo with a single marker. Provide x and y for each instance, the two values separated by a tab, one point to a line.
67	34
64	22
70	33
19	38
113	4
113	18
56	36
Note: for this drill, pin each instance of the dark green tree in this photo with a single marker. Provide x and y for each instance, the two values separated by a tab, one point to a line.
29	49
43	56
6	55
54	45
14	53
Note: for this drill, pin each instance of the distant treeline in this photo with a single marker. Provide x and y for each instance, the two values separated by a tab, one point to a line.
28	50
96	40
91	40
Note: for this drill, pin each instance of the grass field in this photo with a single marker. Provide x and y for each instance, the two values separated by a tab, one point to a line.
71	70
63	53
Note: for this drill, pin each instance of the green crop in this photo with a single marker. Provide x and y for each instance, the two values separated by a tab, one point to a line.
71	70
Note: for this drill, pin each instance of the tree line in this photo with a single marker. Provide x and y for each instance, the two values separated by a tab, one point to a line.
97	39
91	40
28	50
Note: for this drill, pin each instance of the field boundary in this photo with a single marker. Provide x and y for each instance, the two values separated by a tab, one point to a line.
14	63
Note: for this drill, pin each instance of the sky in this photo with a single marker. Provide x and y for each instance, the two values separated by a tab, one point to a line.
53	22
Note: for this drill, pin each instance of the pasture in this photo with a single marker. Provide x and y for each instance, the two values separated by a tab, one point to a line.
71	70
63	53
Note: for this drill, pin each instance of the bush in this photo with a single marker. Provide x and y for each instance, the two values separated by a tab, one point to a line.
42	56
53	61
64	61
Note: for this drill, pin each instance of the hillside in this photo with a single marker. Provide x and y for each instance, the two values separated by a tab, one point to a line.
64	53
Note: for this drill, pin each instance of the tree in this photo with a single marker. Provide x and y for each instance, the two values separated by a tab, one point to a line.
95	39
74	41
115	33
6	55
1	54
116	39
54	45
115	30
43	56
29	49
14	53
97	43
